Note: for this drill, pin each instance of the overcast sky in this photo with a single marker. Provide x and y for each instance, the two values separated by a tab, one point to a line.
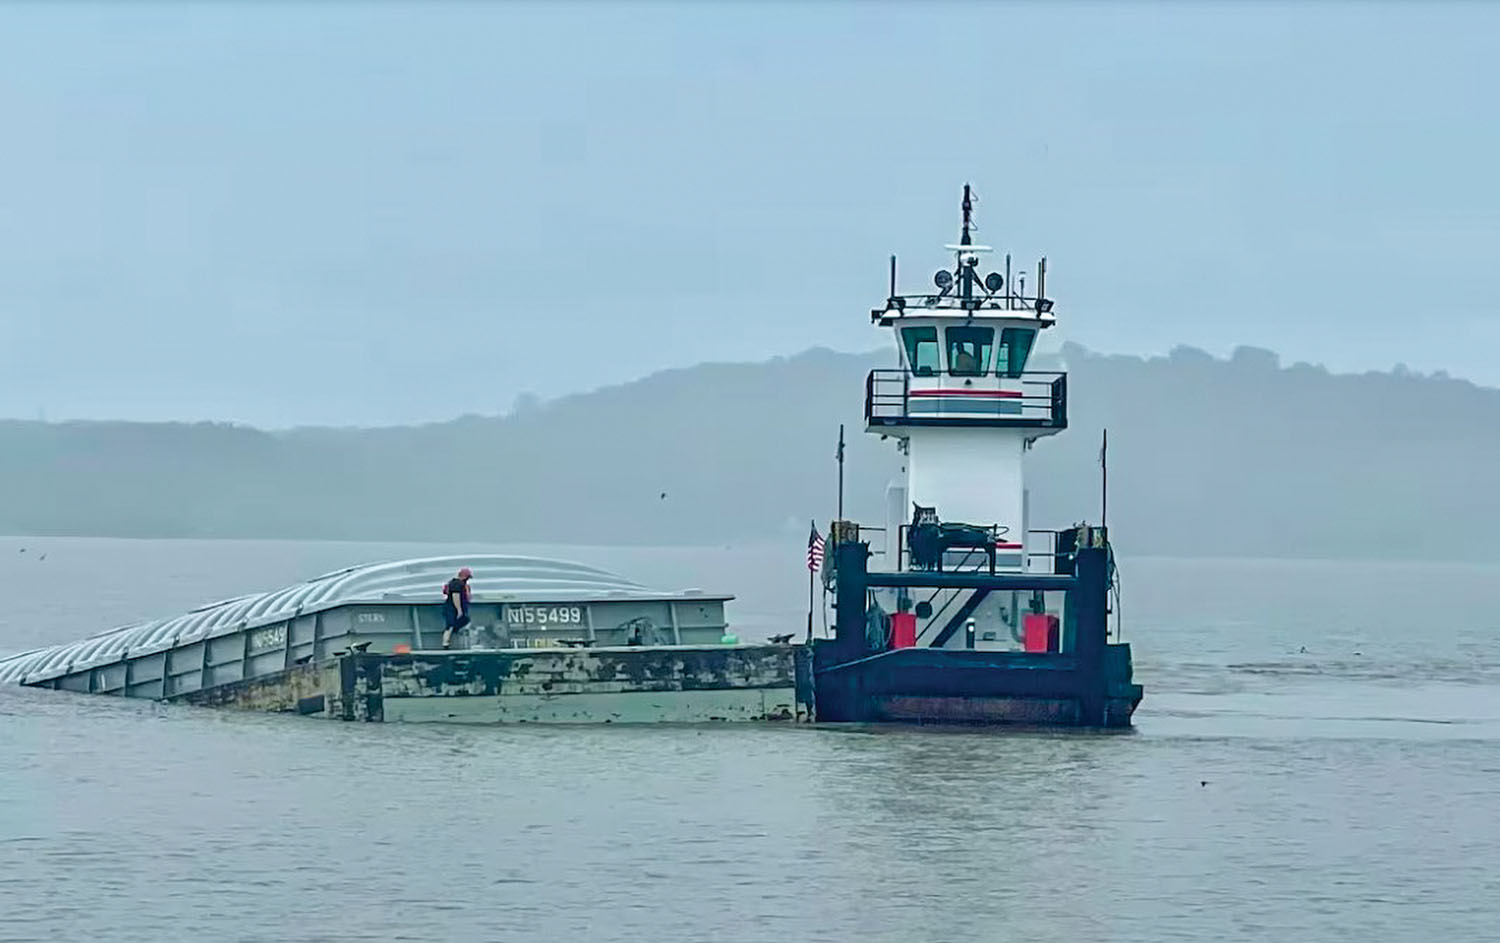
287	214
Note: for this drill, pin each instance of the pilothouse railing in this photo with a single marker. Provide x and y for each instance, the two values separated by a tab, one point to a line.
898	305
1037	399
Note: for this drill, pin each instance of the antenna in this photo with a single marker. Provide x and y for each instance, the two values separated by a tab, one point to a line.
966	259
1008	292
968	217
1041	282
841	471
1103	480
893	276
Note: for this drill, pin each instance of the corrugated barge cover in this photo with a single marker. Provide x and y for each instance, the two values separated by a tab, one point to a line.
497	578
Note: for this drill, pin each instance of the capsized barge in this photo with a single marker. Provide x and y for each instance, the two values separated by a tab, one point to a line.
550	641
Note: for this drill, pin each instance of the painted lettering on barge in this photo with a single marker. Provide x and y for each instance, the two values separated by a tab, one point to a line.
273	636
543	616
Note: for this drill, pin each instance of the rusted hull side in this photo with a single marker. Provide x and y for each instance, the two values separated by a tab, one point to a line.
667	684
304	689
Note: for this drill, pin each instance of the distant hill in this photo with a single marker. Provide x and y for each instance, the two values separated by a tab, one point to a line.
1217	457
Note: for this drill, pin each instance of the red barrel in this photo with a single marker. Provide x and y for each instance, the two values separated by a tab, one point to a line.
1039	631
903	629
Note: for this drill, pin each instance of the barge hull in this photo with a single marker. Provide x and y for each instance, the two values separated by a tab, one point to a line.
627	685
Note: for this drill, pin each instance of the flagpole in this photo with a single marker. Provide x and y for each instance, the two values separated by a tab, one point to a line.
810	588
809	603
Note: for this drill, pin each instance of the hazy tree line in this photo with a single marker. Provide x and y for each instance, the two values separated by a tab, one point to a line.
1221	457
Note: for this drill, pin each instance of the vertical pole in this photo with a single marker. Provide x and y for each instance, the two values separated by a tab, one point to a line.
1104	480
841	471
813	529
965	271
809	603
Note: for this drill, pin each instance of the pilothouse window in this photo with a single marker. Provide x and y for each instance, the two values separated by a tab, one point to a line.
922	350
1015	347
969	350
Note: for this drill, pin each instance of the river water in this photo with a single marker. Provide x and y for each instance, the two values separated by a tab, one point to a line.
1317	758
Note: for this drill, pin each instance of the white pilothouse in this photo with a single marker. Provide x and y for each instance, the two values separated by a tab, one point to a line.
964	409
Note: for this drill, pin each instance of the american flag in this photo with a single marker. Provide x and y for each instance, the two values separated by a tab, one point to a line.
814	549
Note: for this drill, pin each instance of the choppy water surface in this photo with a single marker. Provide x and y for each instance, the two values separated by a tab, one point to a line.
1350	791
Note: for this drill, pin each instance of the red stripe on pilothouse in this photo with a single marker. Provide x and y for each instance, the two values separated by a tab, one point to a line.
991	394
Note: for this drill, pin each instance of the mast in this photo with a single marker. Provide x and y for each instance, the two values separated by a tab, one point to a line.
968	217
841	471
965	268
